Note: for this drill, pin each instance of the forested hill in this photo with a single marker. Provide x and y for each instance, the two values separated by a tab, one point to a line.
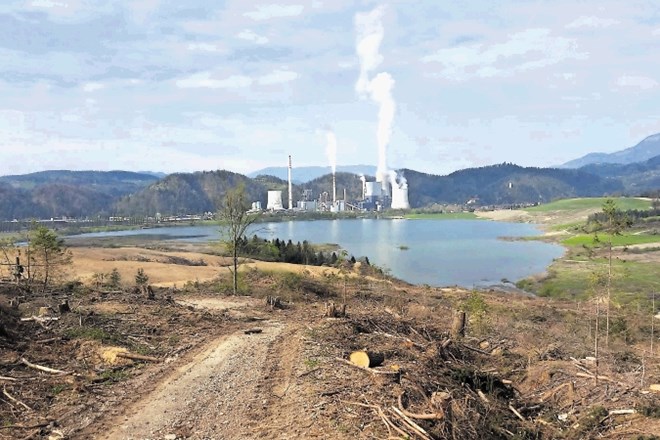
114	183
183	193
506	184
33	196
66	193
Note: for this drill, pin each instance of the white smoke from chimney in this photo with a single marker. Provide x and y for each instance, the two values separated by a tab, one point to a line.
370	33
331	150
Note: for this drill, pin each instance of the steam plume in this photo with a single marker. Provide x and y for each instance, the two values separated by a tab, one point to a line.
370	32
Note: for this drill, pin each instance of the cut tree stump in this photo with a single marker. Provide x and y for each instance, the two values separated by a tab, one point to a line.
64	307
458	325
367	359
274	302
333	310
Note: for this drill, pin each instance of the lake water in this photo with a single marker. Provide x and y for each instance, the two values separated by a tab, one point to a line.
468	253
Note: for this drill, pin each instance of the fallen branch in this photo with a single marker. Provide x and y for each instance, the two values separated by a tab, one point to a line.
8	379
418	429
137	357
513	410
482	396
252	331
42	368
308	372
593	376
436	416
38	425
15	400
620	412
40	319
475	349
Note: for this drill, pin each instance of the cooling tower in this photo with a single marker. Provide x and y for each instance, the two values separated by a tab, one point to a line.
400	197
274	201
372	189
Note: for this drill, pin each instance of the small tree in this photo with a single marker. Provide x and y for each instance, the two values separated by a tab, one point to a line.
234	222
115	279
141	278
48	256
615	223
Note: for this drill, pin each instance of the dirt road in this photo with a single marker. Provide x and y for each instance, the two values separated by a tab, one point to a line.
239	386
208	397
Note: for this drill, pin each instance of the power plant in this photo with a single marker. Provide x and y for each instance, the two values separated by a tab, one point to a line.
391	192
390	189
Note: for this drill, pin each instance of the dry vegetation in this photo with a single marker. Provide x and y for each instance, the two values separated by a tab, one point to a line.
523	369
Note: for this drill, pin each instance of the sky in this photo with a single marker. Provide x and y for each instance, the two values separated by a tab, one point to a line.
179	86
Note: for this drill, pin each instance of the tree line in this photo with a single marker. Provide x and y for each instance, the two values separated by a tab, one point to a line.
286	251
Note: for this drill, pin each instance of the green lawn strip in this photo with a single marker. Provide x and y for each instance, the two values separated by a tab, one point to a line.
622	203
442	216
617	240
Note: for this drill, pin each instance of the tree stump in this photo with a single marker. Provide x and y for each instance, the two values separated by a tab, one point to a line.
63	307
332	310
366	359
458	325
273	302
13	303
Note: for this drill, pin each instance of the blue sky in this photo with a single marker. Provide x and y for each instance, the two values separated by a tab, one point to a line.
239	85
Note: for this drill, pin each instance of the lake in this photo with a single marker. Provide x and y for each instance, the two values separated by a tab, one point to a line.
467	253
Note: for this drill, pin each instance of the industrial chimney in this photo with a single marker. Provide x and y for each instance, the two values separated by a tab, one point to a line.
334	188
290	186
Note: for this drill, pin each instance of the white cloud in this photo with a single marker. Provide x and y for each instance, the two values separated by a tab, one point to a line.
48	4
205	80
278	77
656	32
249	35
92	87
206	47
526	50
639	82
592	22
266	12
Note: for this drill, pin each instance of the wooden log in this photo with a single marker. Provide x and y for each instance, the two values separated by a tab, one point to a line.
366	359
137	357
458	325
252	331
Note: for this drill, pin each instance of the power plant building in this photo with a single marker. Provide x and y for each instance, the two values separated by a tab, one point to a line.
274	201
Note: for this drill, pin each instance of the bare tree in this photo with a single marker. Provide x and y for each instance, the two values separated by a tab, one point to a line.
234	223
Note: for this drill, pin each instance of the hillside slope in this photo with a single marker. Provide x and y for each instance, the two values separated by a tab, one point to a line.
646	149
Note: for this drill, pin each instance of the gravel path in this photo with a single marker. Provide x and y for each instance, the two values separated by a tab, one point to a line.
207	398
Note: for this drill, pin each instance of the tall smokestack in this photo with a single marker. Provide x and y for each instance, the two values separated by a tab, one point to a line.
290	186
334	188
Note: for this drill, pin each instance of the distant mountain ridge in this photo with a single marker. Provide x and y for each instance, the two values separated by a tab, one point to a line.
645	150
90	193
306	174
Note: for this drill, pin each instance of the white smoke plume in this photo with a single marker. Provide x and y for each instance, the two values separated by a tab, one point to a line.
370	32
399	191
331	149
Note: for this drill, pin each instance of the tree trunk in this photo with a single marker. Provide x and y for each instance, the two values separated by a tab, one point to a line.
235	274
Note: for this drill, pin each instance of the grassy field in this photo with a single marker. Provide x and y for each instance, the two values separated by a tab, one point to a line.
617	240
572	279
442	216
623	203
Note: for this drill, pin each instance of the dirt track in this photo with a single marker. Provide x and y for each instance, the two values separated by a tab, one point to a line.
208	397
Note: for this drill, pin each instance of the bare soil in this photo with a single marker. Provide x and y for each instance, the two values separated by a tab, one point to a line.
522	371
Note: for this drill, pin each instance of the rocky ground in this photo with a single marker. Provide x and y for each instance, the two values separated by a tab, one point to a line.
215	366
